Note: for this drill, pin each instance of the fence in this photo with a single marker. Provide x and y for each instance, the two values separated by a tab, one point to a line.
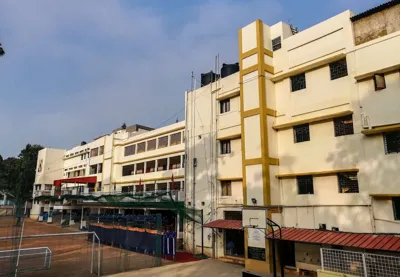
360	264
6	210
70	254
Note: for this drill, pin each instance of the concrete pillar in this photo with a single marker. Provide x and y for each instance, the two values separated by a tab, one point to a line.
257	114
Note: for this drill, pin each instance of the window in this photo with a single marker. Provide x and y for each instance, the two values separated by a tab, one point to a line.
343	126
396	207
151	144
100	168
162	164
348	182
163	142
379	82
162	187
150	166
305	184
82	156
224	106
127	189
48	187
141	147
175	139
226	188
276	43
175	162
140	168
301	133
101	150
93	169
128	170
392	142
38	187
130	150
176	185
298	82
99	186
151	187
94	152
233	215
225	146
338	69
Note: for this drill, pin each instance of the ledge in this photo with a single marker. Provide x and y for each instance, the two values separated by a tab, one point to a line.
316	173
381	129
235	136
311	120
309	66
231	179
160	156
149	180
229	95
147	136
371	74
384	195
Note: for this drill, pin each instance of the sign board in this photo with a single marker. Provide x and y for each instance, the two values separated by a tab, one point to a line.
256	253
256	238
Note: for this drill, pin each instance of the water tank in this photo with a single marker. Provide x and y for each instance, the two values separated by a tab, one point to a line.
228	69
207	78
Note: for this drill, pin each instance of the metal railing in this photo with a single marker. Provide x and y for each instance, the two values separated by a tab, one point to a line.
359	264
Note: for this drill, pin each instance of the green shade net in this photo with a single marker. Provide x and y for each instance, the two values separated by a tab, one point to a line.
162	200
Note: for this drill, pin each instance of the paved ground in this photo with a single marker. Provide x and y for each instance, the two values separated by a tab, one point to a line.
204	268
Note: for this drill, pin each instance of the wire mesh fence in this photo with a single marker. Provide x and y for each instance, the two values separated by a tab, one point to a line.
360	264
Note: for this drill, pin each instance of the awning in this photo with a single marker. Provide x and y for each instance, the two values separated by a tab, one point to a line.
85	180
360	240
225	224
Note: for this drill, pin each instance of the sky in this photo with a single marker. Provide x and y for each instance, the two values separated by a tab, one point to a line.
75	70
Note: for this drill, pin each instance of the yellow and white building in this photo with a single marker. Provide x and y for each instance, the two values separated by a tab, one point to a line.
130	159
307	133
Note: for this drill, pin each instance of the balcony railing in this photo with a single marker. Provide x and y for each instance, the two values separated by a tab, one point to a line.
38	193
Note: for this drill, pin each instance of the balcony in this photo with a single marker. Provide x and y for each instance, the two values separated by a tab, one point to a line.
38	193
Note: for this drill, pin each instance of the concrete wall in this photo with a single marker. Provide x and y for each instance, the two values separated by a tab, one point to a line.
377	25
51	161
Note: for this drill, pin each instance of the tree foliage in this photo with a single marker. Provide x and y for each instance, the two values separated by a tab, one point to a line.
17	174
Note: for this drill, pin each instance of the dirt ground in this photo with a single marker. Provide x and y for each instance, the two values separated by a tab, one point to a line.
71	254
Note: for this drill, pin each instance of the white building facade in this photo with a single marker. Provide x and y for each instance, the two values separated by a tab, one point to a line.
307	132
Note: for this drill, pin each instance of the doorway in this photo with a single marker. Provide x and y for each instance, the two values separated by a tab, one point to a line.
234	243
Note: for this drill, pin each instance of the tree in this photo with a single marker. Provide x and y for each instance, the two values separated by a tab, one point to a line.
17	175
1	51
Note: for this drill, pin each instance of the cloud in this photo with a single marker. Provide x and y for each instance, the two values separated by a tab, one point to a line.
78	69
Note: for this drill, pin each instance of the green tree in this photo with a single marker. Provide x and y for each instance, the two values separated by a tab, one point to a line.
1	51
17	175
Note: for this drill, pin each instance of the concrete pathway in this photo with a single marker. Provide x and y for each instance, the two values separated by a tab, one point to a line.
204	268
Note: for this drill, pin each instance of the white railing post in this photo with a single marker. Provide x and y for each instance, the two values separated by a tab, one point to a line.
364	265
322	258
91	263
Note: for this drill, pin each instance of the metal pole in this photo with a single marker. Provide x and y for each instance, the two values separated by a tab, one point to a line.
322	258
98	258
202	234
19	248
364	266
280	249
273	252
91	262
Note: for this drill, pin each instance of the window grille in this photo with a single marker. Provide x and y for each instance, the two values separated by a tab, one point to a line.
392	142
225	146
396	207
298	82
348	182
301	133
225	106
226	188
343	126
276	43
338	69
305	184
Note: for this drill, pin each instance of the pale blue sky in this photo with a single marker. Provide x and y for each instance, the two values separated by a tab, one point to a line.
74	70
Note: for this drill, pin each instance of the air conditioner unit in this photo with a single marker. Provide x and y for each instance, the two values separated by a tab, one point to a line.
365	121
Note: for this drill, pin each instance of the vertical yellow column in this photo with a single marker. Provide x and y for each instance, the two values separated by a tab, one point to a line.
255	153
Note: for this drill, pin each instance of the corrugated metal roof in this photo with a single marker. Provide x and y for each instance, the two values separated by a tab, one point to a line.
375	10
366	241
225	224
